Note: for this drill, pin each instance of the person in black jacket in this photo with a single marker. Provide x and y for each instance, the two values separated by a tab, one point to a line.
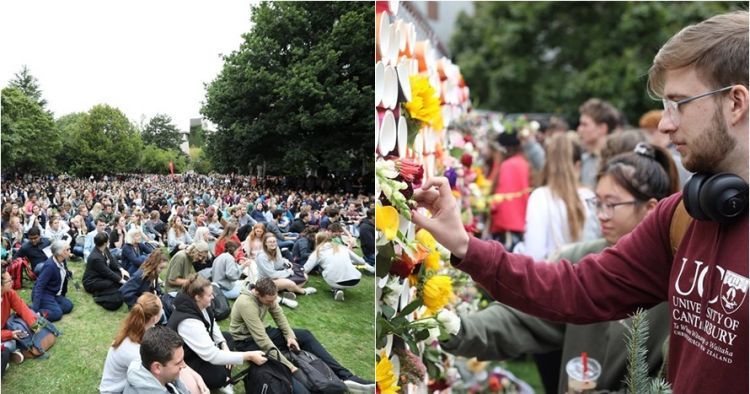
103	275
367	238
304	245
299	223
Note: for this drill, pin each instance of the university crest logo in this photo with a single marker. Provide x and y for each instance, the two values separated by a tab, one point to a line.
733	291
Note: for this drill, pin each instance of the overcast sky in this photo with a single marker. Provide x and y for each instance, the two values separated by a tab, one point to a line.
143	57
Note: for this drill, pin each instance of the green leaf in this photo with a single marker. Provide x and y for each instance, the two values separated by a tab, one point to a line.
421	335
411	307
388	312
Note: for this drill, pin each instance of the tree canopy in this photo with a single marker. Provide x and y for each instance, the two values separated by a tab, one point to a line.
161	132
30	139
29	85
298	92
100	141
553	56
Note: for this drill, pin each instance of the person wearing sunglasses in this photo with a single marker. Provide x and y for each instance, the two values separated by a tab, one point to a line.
703	69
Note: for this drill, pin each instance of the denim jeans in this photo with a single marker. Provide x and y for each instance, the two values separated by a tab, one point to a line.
10	345
54	306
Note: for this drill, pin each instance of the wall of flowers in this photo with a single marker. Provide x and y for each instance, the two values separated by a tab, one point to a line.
418	100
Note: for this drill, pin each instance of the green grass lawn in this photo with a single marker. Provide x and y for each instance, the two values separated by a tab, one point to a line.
76	361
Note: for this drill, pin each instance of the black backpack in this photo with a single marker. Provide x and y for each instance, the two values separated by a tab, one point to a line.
315	374
220	304
167	304
270	378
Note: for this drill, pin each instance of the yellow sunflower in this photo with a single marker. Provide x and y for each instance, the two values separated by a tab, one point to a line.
432	261
386	220
426	239
424	104
436	293
386	379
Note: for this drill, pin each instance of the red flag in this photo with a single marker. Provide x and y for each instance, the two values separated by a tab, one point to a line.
171	168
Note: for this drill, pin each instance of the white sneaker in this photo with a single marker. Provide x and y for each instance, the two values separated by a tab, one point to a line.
310	290
339	295
228	389
287	302
359	386
16	357
290	295
368	268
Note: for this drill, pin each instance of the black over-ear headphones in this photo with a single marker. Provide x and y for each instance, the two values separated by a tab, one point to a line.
719	198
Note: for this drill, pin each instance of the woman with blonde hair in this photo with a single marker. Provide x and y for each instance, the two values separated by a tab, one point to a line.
134	252
271	264
96	210
177	236
126	348
559	214
254	242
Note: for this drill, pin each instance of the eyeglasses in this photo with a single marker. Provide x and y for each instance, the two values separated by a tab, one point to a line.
606	209
672	108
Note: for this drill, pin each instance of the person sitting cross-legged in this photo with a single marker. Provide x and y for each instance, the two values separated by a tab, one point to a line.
226	272
11	301
135	251
272	265
181	265
33	249
250	333
146	279
48	295
103	275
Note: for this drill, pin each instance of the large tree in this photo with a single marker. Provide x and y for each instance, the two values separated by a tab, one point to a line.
160	131
103	141
30	139
552	56
29	85
298	93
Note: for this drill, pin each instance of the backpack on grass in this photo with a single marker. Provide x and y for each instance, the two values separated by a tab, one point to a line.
16	270
34	345
270	378
315	374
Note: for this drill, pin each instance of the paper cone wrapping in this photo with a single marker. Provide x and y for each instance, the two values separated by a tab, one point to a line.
402	136
404	86
387	134
379	82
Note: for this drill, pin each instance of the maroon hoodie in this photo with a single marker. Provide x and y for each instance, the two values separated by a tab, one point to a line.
705	284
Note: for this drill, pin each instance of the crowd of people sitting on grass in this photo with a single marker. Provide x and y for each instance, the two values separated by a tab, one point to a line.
127	231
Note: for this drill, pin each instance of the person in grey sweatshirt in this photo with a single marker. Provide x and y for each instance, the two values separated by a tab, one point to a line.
158	370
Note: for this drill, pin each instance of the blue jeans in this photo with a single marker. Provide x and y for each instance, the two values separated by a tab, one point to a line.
285	244
234	292
78	250
54	306
10	345
370	259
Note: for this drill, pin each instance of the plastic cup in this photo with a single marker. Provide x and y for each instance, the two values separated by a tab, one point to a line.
577	382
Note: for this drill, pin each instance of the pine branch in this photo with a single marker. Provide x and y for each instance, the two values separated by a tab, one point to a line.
636	378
